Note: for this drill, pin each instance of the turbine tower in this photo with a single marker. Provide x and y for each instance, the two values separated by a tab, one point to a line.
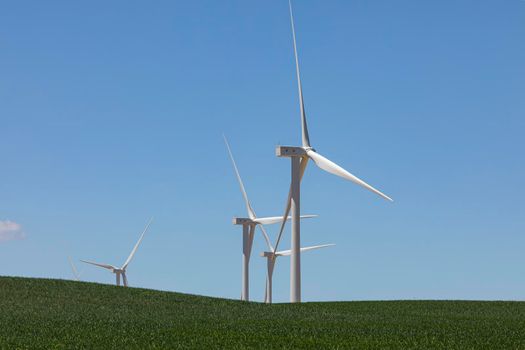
122	270
299	158
271	257
248	229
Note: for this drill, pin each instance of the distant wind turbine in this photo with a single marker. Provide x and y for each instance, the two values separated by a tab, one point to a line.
299	158
271	258
248	229
122	270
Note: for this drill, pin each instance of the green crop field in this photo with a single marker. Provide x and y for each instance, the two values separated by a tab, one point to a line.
56	314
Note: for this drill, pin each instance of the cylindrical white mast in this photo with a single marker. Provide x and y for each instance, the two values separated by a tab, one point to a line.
245	264
270	262
246	249
295	262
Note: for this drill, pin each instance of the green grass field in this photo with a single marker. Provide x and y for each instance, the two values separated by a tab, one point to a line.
56	314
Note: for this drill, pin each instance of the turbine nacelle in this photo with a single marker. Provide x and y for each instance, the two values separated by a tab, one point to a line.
267	254
242	221
291	151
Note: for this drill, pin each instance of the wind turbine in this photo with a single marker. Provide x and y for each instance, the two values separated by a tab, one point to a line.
271	258
74	269
248	229
299	158
122	270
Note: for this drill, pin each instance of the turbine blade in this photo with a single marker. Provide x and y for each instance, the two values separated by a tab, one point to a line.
266	237
74	269
302	169
251	213
277	219
136	246
304	127
289	252
105	266
329	166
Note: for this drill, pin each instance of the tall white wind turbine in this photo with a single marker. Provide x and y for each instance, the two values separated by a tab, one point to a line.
299	158
248	229
271	257
122	270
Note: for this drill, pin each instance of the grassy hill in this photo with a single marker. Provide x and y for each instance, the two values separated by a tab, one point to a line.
56	314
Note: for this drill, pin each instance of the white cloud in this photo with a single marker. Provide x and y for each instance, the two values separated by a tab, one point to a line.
10	231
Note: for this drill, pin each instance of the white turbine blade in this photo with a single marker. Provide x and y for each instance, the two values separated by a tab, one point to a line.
329	166
302	169
266	237
304	127
251	213
277	219
136	246
289	252
74	269
105	266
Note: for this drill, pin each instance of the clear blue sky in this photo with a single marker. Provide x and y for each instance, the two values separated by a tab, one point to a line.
113	112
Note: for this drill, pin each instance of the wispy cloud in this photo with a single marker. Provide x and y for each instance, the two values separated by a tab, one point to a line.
10	231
